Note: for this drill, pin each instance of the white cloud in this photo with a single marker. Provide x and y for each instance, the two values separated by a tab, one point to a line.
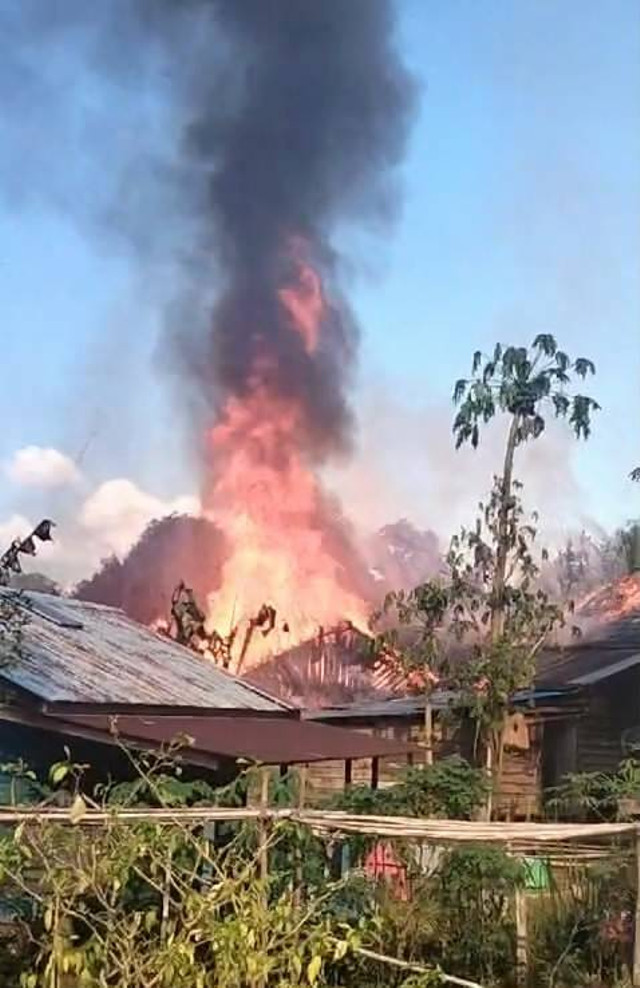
109	521
118	511
37	466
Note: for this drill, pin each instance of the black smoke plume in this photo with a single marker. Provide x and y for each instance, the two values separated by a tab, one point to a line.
284	119
296	130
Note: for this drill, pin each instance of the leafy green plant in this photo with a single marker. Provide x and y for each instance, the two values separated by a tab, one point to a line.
597	795
156	904
581	932
474	891
23	784
451	788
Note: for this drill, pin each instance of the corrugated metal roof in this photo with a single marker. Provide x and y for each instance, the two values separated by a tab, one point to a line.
405	706
413	706
266	740
597	675
593	659
80	652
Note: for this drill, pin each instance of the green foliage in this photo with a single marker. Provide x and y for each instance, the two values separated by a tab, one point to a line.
490	602
367	801
458	919
172	905
145	903
597	795
458	610
521	382
450	789
22	783
498	666
167	790
474	892
581	933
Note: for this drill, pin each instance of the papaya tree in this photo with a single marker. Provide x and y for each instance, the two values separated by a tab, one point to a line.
523	385
488	601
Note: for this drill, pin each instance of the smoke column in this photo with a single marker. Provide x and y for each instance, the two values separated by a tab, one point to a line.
286	120
295	132
298	133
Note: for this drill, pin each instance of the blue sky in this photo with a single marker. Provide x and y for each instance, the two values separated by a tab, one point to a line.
521	214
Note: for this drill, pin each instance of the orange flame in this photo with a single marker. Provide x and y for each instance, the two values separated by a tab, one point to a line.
269	502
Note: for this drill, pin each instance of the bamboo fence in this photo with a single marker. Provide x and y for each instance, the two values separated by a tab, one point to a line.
520	838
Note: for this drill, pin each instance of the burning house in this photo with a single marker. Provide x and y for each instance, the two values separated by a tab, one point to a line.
582	714
601	676
87	677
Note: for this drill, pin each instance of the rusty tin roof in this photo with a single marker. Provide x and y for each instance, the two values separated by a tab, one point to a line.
75	651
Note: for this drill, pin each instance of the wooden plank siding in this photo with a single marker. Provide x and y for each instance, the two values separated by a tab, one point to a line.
520	797
598	747
325	779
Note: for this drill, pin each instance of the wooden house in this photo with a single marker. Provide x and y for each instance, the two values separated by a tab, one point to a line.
602	672
583	714
403	719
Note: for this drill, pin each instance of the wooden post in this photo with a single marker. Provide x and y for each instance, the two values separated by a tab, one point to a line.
636	931
297	870
375	772
489	771
263	851
302	786
522	947
428	732
348	772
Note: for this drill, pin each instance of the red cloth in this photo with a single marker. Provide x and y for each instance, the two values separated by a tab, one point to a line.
382	862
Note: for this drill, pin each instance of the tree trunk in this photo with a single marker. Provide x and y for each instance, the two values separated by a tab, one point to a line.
494	752
502	550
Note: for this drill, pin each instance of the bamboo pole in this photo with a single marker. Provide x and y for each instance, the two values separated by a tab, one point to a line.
636	937
373	955
522	946
302	786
